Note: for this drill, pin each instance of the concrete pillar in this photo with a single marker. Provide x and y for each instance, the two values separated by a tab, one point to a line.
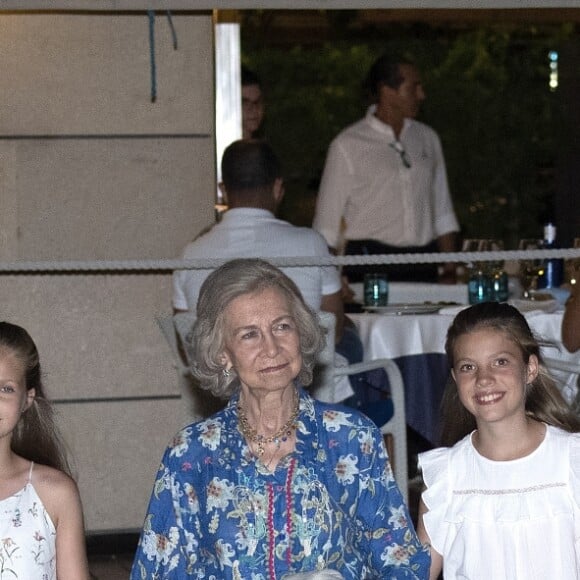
91	169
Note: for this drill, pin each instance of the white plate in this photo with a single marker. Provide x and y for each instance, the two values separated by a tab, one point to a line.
401	309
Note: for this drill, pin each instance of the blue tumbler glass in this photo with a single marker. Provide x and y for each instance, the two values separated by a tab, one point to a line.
376	289
479	286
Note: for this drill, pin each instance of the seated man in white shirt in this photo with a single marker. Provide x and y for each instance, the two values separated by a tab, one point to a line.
253	185
254	188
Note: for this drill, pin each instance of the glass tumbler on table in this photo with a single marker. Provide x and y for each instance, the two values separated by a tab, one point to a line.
479	284
376	289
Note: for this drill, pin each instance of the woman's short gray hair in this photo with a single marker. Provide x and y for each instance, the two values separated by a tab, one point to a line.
231	280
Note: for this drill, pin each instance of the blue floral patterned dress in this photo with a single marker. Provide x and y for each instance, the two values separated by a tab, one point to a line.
216	513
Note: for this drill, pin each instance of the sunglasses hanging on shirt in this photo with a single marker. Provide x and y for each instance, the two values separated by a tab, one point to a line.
398	147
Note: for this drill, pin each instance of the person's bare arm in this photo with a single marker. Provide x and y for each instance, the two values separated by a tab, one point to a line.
436	559
61	499
448	243
333	303
571	321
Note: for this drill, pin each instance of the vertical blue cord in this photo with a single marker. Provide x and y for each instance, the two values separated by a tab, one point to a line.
151	15
172	28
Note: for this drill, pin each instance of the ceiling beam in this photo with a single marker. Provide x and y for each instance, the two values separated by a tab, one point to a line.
194	5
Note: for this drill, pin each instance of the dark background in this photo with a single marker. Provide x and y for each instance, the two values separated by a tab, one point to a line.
511	143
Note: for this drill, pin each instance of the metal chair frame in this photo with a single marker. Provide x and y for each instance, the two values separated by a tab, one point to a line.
397	425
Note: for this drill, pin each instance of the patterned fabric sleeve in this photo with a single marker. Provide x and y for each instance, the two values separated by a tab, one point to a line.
165	548
394	549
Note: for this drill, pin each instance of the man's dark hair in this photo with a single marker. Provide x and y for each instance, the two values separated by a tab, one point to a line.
249	164
385	71
249	77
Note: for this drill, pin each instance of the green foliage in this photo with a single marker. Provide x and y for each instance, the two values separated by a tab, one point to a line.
487	96
498	120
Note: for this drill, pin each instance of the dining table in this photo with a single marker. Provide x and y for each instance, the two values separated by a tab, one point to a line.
413	335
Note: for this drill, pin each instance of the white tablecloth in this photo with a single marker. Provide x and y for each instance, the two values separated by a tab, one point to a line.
418	292
417	344
393	336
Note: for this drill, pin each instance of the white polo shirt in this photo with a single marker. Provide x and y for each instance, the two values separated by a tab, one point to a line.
365	181
256	233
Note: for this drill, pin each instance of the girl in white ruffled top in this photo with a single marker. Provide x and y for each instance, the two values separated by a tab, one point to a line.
41	522
503	503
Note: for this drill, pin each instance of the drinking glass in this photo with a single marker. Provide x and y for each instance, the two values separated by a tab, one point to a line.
497	273
479	284
530	270
572	267
376	289
472	245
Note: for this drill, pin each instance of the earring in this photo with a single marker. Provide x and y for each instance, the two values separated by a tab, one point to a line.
226	372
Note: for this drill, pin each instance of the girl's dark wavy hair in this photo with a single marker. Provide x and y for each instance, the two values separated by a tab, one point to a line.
544	402
35	437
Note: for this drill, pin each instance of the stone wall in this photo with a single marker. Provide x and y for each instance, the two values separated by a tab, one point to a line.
91	169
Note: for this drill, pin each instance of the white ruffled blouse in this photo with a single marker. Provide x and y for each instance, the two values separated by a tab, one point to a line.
505	520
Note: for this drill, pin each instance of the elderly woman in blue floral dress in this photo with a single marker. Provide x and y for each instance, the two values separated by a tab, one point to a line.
276	484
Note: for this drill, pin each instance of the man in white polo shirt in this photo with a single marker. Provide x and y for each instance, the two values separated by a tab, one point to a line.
385	180
254	188
253	185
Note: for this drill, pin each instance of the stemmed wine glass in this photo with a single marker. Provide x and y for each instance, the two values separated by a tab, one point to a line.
530	270
497	273
573	266
472	245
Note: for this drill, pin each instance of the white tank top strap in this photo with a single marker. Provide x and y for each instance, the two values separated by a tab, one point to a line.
30	472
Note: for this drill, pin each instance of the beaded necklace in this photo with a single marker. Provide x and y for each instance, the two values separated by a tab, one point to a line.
283	434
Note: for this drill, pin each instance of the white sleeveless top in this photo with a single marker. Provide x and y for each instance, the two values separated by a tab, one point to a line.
505	520
27	537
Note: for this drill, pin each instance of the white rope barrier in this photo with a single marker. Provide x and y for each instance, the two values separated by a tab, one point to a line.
166	265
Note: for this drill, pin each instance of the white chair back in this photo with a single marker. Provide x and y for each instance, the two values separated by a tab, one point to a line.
397	425
567	376
167	327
